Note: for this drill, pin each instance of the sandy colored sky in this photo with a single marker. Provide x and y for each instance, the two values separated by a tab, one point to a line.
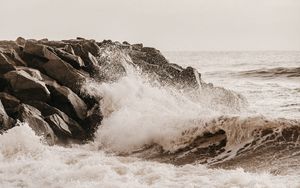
165	24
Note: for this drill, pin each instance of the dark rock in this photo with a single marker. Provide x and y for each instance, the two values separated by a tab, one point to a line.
5	121
58	125
93	120
26	86
6	64
10	103
137	47
153	56
54	66
66	100
74	60
125	43
190	76
20	41
48	111
32	116
69	49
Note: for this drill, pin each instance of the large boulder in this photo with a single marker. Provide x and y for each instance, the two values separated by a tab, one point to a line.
10	103
72	59
5	121
26	86
33	117
66	100
6	64
58	123
54	66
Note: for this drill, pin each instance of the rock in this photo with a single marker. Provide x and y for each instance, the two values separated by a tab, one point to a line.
67	101
20	41
153	56
74	60
6	64
39	50
125	43
5	121
191	77
47	111
13	55
58	125
32	116
10	103
93	120
68	48
137	46
64	74
54	66
27	87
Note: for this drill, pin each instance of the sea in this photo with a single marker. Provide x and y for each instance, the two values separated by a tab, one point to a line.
139	114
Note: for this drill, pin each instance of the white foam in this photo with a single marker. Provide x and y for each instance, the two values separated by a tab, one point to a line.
33	164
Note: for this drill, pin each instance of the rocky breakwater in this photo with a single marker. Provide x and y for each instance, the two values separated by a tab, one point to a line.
41	82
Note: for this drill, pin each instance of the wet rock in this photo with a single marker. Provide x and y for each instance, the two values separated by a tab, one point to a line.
66	100
55	67
10	103
153	56
50	111
26	86
5	121
137	46
6	64
72	59
33	117
20	41
93	120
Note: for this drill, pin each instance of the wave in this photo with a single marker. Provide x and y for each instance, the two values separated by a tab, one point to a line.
164	124
273	72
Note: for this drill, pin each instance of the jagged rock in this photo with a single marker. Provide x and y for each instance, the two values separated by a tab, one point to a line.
68	48
153	56
58	125
6	64
55	67
5	121
10	103
13	54
32	116
66	100
47	111
94	118
72	59
27	87
137	47
21	41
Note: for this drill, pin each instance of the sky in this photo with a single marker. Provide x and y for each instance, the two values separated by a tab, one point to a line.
197	25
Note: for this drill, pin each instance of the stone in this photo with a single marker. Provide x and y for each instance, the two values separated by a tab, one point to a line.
153	56
47	111
67	101
74	60
58	125
5	121
54	66
10	103
26	86
33	118
6	64
93	120
137	46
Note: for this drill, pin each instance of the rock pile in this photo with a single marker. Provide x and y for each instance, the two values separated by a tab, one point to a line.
41	82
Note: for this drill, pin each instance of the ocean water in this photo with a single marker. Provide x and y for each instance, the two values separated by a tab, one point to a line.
138	114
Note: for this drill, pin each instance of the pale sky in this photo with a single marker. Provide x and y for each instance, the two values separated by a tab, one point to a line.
164	24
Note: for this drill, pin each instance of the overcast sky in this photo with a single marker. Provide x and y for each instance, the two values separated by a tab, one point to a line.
165	24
